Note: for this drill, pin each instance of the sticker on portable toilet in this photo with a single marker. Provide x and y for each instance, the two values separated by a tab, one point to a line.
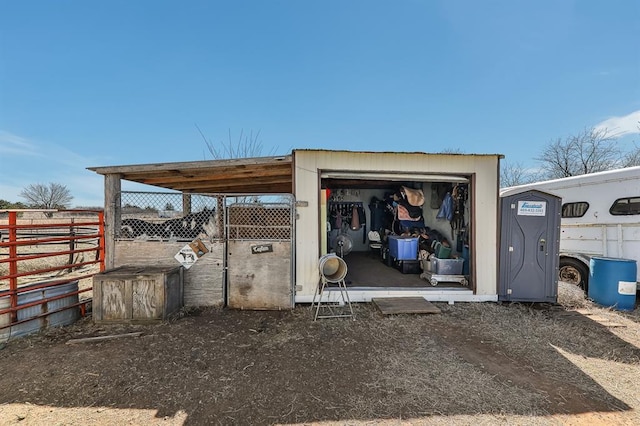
626	287
532	208
189	254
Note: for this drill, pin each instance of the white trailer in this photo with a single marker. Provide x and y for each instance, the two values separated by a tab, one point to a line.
600	217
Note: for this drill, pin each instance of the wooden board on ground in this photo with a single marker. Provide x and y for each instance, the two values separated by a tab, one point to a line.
405	305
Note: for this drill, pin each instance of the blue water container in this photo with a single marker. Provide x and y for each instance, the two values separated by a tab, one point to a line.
612	282
465	256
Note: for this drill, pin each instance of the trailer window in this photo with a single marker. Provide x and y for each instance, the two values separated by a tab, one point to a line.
575	209
625	206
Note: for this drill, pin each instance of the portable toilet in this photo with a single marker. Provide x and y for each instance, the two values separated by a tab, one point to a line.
529	246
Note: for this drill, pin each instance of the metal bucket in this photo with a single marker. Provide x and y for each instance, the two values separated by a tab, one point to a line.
612	282
332	268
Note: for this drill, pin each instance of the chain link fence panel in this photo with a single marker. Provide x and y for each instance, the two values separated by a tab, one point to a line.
261	220
168	216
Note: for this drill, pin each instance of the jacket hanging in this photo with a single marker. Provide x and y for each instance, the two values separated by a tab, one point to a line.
355	218
446	209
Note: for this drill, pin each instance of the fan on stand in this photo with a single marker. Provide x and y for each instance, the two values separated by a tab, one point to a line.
343	245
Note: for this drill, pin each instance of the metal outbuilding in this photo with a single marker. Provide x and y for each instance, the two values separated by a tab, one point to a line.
245	266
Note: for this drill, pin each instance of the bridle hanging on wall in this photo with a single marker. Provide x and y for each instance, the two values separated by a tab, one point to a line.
348	214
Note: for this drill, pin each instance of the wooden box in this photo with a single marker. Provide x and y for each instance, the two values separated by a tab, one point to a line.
137	293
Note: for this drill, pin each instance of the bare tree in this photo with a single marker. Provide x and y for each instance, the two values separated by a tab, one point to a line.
451	151
246	146
632	158
591	150
512	174
52	196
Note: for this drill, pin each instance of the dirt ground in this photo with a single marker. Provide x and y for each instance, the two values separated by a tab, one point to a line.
474	363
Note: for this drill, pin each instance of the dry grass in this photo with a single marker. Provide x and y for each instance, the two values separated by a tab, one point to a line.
475	363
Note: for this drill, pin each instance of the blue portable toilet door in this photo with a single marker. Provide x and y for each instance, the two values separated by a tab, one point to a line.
531	238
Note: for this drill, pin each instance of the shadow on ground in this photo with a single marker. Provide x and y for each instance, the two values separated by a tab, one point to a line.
245	367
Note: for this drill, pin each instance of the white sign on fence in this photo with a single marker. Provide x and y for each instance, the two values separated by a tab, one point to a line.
189	254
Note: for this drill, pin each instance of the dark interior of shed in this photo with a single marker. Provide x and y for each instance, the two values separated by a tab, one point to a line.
389	231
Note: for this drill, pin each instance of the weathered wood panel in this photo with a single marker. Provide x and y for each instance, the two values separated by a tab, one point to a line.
137	293
114	306
112	187
203	282
260	280
405	305
148	298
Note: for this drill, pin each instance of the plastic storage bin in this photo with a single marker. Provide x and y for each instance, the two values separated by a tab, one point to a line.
408	266
446	266
403	248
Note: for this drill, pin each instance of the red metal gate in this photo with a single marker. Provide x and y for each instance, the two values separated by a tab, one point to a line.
42	251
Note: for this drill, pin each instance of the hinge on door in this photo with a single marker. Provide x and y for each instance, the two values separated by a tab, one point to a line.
510	248
513	206
508	291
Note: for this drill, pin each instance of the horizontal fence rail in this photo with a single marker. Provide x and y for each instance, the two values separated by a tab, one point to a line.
43	257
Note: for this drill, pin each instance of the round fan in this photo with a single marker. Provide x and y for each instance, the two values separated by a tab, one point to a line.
343	245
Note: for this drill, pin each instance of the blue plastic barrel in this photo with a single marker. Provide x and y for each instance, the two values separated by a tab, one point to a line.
612	282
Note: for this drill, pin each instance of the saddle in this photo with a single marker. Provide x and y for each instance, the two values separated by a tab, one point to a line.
415	197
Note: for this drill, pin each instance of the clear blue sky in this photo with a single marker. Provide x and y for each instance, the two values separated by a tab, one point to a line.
96	83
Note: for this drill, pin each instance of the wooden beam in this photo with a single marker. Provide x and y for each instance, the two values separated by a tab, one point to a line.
103	338
209	175
112	209
231	183
281	188
207	164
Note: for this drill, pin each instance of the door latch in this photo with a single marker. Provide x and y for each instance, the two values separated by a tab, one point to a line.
543	242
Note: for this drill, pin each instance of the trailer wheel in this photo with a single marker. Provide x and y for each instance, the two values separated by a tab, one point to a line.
574	272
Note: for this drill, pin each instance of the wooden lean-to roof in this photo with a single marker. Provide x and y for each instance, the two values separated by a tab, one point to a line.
265	175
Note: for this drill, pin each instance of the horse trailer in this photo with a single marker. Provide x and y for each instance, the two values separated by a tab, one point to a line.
600	217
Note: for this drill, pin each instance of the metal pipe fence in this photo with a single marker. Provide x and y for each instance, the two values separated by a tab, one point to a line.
42	252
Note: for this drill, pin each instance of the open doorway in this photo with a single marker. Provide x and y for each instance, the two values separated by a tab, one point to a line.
395	232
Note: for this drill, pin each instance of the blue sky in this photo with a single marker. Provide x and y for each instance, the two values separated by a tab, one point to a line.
97	83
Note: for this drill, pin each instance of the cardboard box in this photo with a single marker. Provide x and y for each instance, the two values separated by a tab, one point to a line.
403	248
